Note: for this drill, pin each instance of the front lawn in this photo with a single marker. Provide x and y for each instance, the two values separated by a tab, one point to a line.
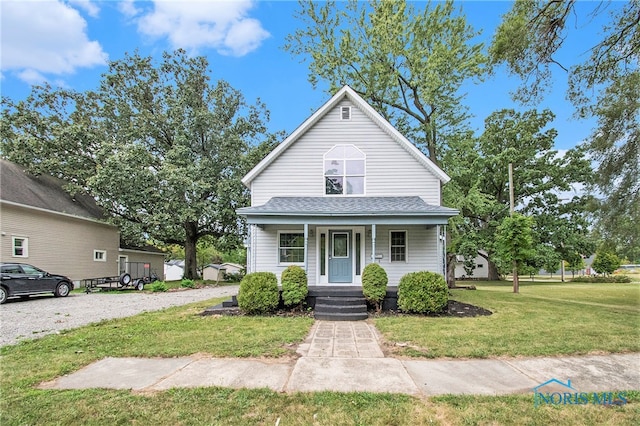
544	319
182	331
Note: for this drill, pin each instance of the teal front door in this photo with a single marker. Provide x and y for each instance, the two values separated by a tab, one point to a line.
340	257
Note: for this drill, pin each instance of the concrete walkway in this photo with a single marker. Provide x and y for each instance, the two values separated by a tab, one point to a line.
346	357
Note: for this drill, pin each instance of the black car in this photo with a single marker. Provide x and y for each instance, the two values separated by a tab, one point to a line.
20	279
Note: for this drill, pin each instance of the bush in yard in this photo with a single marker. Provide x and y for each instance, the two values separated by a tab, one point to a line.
258	293
159	286
374	284
294	286
188	284
422	292
620	279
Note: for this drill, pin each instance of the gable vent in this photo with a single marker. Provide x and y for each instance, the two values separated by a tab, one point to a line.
345	113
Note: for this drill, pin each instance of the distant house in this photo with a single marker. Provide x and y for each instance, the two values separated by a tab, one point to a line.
481	270
215	272
343	190
173	270
42	224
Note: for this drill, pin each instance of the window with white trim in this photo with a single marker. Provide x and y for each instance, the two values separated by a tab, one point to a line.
290	247
344	170
20	247
398	246
100	255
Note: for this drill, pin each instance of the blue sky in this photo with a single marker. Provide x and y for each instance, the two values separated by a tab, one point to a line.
68	43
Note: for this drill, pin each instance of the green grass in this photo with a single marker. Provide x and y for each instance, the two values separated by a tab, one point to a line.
544	319
182	331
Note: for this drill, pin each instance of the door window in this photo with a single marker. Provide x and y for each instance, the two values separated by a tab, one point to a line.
340	245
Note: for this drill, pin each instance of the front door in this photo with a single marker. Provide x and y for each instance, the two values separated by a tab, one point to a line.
340	257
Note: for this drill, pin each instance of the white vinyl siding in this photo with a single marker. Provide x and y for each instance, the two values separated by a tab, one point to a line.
390	169
422	255
265	245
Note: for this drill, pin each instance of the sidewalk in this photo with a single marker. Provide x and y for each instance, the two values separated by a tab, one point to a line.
346	357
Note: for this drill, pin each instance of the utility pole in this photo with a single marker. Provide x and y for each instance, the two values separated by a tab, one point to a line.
511	210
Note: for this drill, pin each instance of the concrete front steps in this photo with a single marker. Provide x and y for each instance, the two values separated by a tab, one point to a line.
331	308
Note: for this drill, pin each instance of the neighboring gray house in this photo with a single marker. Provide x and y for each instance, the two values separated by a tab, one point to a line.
41	224
343	190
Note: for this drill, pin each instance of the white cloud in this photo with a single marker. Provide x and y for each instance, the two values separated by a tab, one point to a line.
193	25
49	37
128	8
91	8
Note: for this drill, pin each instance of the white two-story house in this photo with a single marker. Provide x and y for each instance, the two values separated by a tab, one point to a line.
343	190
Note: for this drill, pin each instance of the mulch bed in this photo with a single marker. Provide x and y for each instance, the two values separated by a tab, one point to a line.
454	309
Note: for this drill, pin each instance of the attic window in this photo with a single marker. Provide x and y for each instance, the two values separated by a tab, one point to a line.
345	113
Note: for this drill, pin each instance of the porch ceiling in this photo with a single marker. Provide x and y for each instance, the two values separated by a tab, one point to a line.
347	211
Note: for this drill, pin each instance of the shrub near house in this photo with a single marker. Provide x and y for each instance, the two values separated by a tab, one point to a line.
422	293
258	293
374	284
294	286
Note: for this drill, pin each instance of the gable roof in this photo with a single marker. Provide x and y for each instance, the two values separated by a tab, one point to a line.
348	93
43	192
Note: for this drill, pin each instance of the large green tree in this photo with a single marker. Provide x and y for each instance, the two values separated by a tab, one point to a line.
604	86
480	186
408	63
160	147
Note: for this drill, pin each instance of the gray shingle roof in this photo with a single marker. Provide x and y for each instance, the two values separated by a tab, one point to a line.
347	206
44	192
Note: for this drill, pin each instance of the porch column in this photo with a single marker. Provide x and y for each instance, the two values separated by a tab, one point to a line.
442	236
373	243
306	247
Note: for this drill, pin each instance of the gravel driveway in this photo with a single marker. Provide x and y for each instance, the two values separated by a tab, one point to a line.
42	315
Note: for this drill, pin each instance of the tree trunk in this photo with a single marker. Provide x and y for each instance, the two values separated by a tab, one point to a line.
492	272
190	260
451	270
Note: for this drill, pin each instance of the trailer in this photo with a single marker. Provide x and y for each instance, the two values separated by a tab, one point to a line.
135	275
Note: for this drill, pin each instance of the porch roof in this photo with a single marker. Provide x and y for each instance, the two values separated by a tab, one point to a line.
347	210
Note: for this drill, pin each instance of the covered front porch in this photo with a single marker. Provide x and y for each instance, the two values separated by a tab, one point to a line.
334	238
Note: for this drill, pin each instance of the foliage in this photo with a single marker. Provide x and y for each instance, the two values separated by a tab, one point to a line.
620	279
409	63
374	284
186	283
160	147
159	287
422	292
514	240
258	293
480	187
234	277
605	262
605	86
294	286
